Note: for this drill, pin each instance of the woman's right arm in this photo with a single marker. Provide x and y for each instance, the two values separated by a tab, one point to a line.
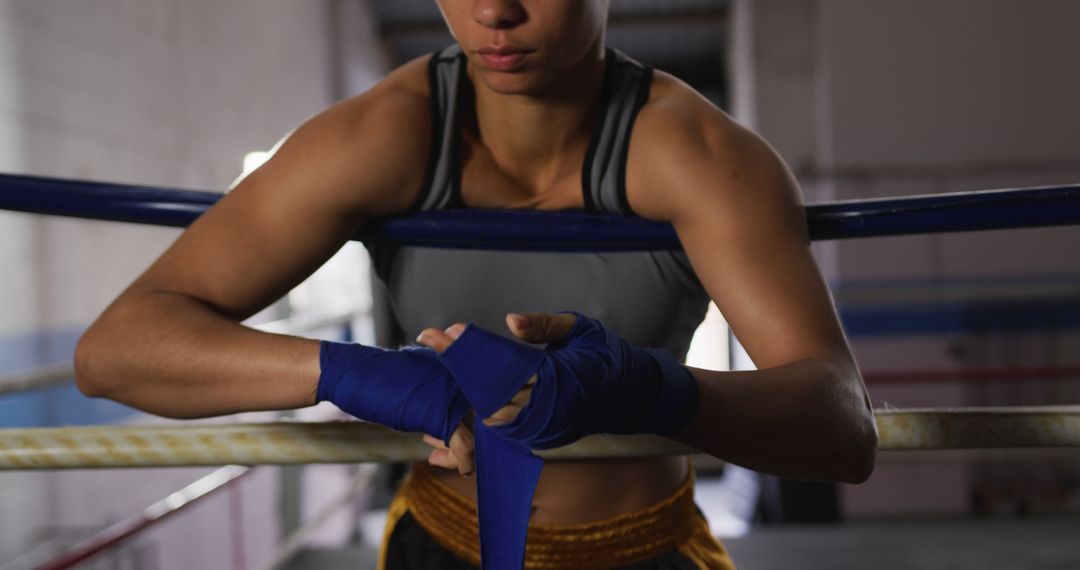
171	344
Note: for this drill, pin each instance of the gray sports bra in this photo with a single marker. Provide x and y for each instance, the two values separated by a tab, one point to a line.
649	298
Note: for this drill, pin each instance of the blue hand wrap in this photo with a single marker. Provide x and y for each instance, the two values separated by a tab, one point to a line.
590	382
406	390
490	370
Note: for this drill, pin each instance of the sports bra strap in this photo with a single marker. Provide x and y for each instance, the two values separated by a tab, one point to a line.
625	91
603	175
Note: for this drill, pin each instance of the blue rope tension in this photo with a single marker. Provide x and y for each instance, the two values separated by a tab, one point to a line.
567	230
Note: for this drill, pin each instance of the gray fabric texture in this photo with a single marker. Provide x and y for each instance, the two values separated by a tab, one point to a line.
651	299
446	74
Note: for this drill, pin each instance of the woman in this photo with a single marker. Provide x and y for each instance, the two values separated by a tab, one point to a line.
530	112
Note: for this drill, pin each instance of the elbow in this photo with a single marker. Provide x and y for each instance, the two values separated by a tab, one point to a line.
855	429
862	464
104	349
862	451
91	366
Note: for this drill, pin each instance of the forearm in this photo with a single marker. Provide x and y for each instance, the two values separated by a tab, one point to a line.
809	419
175	356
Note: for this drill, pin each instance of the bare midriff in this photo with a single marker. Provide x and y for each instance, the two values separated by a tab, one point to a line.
573	492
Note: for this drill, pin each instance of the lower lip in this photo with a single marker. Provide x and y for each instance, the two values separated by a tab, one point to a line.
504	62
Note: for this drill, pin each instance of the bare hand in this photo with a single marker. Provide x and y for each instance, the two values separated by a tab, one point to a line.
460	454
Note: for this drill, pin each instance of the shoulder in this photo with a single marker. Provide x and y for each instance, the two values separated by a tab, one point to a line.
397	105
372	147
688	155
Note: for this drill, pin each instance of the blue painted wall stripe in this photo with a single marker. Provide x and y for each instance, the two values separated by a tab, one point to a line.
984	317
56	406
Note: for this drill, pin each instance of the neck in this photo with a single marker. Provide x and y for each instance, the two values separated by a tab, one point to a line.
533	136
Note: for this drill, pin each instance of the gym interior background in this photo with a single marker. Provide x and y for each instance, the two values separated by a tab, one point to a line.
863	99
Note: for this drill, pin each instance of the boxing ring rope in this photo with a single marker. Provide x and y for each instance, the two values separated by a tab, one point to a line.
181	499
123	530
45	377
288	443
361	481
194	444
188	496
356	442
566	231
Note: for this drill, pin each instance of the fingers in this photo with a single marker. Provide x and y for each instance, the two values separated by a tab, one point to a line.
522	397
533	327
540	327
440	456
440	340
509	412
463	448
460	455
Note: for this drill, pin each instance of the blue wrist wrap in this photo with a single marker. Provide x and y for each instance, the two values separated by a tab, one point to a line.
590	382
406	390
490	370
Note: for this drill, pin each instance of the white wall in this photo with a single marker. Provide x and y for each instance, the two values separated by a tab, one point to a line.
158	92
945	83
930	97
903	97
163	93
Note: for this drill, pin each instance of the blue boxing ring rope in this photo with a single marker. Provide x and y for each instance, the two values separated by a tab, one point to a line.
547	231
566	230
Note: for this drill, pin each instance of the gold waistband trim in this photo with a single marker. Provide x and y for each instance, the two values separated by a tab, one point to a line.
616	541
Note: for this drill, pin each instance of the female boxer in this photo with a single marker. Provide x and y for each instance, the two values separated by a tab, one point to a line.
527	111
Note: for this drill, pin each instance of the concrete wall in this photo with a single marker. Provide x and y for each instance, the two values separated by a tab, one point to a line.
163	93
905	97
160	92
931	97
960	82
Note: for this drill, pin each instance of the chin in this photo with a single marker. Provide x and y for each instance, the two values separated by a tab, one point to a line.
513	83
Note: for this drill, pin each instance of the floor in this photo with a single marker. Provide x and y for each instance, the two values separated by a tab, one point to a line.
960	544
1024	544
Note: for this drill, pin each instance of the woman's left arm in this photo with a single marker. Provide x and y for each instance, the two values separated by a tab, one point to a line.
805	412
